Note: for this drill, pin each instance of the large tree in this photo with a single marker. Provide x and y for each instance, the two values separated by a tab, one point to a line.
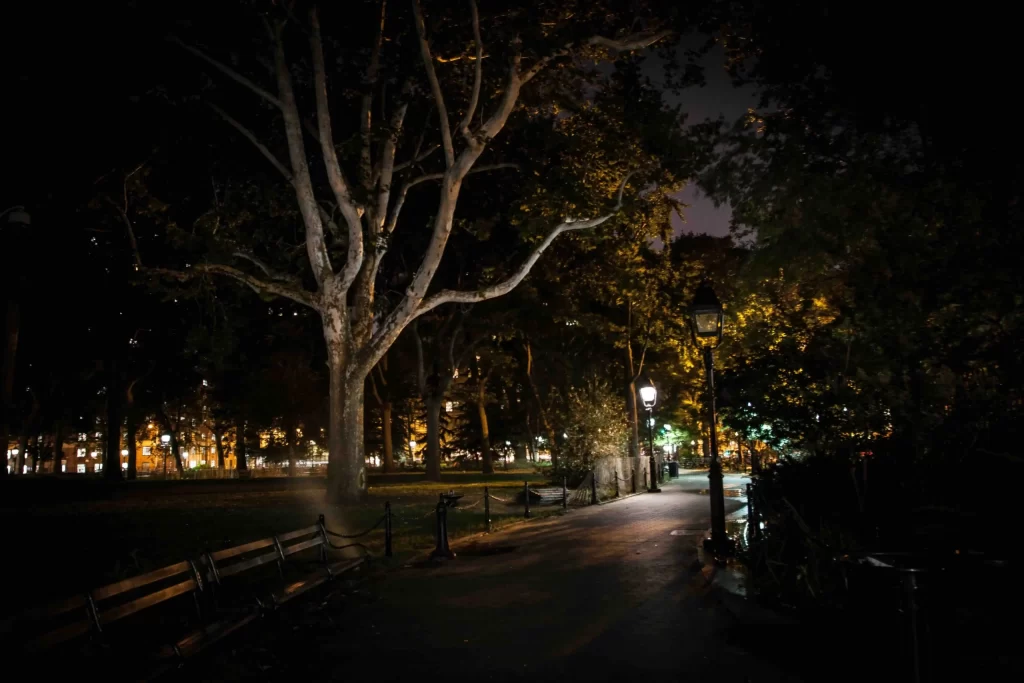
472	89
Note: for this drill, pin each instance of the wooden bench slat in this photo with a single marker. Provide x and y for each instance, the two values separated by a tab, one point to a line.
345	565
309	543
211	633
128	608
55	609
238	567
242	549
297	588
301	532
60	635
113	589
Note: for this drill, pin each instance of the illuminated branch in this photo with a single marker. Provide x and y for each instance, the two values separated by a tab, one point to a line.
478	69
435	86
251	137
228	71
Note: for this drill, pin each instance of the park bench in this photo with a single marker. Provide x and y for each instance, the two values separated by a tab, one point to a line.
546	495
106	613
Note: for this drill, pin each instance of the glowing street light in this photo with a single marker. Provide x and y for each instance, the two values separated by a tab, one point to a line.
706	328
649	396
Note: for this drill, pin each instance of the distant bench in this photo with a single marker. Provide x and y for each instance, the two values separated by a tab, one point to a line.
219	602
546	495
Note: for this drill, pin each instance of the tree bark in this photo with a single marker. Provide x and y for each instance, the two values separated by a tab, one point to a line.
346	471
19	462
176	452
12	329
291	448
58	445
389	454
131	434
112	453
485	433
552	444
218	434
433	457
240	461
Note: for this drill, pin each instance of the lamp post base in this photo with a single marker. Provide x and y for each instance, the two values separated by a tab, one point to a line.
652	475
720	548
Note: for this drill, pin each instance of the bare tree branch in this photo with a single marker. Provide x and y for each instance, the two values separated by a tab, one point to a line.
635	41
478	70
392	220
508	284
260	286
366	106
416	160
267	270
335	176
228	71
131	231
251	137
435	86
387	163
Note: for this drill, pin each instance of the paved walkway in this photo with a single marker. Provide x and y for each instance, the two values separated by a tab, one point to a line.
602	592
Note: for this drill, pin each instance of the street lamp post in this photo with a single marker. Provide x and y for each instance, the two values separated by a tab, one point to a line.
649	396
706	328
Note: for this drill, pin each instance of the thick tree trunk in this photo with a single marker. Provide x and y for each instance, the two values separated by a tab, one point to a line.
346	471
485	435
633	419
12	328
58	445
218	435
176	452
130	442
19	462
548	429
389	453
433	457
240	461
112	453
291	449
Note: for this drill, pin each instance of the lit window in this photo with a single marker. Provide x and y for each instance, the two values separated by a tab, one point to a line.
98	467
205	383
81	452
147	450
81	468
81	437
449	406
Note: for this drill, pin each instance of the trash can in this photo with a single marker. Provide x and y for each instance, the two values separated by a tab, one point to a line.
673	469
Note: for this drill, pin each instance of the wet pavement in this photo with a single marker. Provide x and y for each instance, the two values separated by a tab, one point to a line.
603	592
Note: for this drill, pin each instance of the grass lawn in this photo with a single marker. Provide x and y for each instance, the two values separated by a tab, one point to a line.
66	548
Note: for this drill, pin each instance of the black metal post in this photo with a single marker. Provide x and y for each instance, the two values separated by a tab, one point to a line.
387	529
442	550
565	495
720	543
487	509
616	483
910	587
526	499
593	487
654	463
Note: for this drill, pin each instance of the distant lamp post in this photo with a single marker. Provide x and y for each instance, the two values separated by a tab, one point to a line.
706	328
649	396
165	439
